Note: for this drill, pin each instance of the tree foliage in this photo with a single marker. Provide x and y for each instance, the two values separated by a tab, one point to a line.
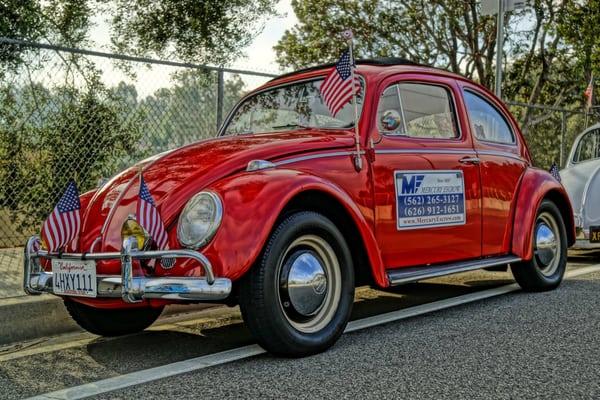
202	31
212	31
551	48
46	133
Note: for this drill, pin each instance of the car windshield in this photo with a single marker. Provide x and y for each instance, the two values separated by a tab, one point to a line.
289	107
588	147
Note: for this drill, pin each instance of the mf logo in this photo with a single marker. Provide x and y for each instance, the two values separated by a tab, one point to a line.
410	185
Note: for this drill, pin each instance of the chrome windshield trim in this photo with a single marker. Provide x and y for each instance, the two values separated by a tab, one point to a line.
227	120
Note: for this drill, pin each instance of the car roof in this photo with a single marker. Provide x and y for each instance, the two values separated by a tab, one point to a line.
366	61
367	67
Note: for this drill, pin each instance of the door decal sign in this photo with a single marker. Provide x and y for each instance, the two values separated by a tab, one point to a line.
427	199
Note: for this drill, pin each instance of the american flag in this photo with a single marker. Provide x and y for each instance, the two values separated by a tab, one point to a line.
554	171
589	93
338	88
63	225
149	218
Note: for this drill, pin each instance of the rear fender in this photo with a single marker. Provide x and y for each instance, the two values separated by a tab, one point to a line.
537	185
252	203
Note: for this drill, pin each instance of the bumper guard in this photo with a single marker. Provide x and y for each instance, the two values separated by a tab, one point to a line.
130	288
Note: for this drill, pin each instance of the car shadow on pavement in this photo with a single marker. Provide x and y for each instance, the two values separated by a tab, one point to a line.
396	298
153	348
180	342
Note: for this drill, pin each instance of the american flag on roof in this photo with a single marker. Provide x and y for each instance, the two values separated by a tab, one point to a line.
149	218
64	223
338	87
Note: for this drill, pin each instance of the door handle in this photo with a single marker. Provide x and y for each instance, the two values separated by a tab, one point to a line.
469	160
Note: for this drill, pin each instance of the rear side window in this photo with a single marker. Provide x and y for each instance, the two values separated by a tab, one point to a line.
486	122
588	147
417	110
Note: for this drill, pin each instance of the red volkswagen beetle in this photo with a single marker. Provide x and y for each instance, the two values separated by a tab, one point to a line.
285	214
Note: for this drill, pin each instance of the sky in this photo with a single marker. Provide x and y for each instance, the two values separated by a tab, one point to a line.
259	56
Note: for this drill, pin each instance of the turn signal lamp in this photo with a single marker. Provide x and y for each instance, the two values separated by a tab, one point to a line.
132	228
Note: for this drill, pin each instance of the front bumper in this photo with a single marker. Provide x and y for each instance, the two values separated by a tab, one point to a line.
132	289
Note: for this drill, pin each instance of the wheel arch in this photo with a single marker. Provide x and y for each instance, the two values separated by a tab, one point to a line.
255	203
536	186
330	207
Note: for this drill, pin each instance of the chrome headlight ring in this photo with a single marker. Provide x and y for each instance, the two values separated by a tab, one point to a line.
199	220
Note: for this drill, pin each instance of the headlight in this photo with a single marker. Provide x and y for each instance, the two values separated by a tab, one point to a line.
132	228
199	220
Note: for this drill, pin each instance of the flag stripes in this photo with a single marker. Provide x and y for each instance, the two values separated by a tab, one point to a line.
338	87
149	218
64	223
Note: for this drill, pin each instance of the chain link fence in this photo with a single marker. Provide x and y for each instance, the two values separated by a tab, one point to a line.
71	113
84	115
550	131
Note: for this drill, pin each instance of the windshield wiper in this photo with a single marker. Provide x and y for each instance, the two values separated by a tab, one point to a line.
291	125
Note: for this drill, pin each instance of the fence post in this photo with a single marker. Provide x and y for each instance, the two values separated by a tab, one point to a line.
220	92
563	132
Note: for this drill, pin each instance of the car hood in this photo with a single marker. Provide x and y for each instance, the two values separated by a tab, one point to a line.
582	181
173	177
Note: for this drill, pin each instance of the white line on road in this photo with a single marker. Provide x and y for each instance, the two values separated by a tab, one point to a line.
194	364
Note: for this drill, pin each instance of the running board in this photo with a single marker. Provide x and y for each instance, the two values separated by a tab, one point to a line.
413	274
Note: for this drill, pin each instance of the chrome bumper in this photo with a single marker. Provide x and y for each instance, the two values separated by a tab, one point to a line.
130	288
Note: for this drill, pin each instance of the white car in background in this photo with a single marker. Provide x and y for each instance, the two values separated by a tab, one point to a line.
581	179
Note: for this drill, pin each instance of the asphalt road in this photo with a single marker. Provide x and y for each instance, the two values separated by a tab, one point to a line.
517	345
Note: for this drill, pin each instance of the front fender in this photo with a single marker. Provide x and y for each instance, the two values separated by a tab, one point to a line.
252	202
537	185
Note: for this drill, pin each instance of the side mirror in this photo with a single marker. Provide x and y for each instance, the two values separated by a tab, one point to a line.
390	120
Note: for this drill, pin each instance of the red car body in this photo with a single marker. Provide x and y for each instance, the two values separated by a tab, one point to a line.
502	192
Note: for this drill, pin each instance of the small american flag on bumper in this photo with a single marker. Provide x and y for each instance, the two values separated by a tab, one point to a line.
149	218
63	225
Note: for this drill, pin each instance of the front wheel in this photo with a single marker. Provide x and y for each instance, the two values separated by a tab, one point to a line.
546	269
298	297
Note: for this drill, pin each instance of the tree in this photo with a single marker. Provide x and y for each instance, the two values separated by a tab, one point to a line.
212	31
449	34
195	31
546	48
51	136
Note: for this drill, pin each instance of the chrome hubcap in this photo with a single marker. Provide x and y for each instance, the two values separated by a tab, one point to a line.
309	283
305	283
547	244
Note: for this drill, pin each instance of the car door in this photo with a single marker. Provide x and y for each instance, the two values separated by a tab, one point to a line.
427	199
502	163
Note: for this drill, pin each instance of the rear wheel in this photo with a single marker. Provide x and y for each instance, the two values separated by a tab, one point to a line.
297	299
108	322
546	269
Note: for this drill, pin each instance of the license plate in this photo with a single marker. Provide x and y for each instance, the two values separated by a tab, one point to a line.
594	234
74	277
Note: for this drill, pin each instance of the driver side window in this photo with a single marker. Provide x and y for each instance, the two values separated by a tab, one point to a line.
417	110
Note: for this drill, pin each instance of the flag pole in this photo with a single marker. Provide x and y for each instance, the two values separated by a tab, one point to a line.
348	35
